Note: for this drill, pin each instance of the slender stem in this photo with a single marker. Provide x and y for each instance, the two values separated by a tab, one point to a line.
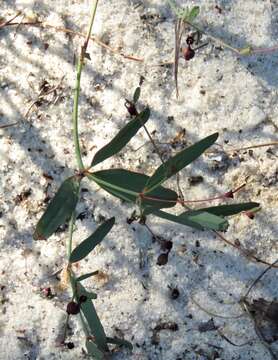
77	90
77	144
215	39
75	116
71	227
259	278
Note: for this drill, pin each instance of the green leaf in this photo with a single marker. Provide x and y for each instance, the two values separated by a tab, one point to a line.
90	314
59	210
136	94
86	276
178	162
228	210
94	351
193	13
119	342
206	220
127	185
196	219
86	246
122	138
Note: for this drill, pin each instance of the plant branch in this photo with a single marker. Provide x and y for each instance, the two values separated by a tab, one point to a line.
80	66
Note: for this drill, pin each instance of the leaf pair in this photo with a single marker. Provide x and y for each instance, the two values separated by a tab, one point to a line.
185	14
129	186
97	345
147	191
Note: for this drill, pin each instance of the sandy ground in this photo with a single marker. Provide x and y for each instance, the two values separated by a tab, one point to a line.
219	91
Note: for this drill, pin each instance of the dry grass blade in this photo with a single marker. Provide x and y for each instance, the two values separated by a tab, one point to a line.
8	125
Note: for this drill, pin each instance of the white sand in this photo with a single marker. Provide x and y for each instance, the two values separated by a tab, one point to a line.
218	92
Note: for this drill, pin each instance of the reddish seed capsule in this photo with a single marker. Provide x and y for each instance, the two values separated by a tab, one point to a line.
250	214
73	308
229	194
131	108
47	292
188	53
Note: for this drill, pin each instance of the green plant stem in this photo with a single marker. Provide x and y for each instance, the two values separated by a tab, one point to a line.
80	66
71	228
75	114
76	139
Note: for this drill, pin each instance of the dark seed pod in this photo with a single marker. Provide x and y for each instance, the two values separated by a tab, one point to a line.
188	53
162	259
166	245
83	298
70	345
175	293
73	308
189	40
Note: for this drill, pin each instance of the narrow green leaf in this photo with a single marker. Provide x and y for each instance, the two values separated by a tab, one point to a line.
206	220
88	245
127	185
119	342
228	210
196	219
178	162
193	13
59	210
94	351
136	94
90	314
86	276
122	138
177	219
89	295
79	290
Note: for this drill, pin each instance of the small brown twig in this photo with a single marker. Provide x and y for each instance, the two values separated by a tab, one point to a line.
274	143
9	22
72	32
8	125
254	283
210	313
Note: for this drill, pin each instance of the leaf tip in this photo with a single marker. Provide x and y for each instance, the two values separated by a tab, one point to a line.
38	236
